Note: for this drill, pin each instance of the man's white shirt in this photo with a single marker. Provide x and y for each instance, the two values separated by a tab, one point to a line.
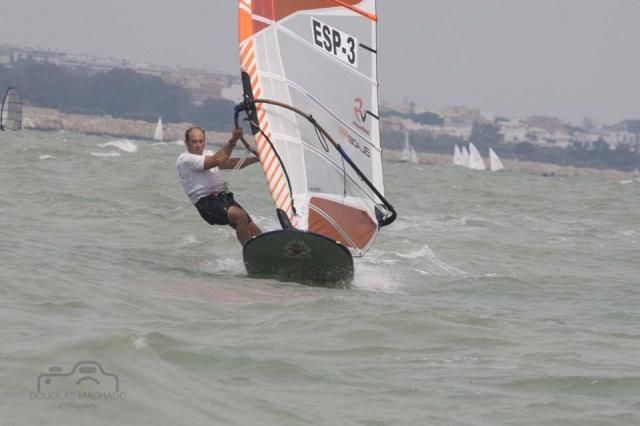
196	181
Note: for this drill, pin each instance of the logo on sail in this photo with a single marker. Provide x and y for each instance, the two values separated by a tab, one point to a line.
363	148
361	113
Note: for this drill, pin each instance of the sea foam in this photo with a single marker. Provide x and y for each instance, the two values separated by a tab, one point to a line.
106	154
121	144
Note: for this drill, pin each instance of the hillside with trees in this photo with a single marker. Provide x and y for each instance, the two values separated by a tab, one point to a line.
124	93
120	93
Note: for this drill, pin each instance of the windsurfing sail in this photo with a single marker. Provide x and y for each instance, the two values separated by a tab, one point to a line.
494	161
158	134
11	114
309	70
475	159
408	153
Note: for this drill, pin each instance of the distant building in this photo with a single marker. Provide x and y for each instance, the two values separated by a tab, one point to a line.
512	131
460	116
614	138
550	124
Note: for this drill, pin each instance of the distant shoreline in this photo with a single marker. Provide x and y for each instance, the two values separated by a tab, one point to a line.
529	167
48	119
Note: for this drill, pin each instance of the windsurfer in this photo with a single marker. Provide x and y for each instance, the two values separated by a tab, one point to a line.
199	172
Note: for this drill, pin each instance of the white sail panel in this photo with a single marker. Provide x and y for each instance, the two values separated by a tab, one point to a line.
319	56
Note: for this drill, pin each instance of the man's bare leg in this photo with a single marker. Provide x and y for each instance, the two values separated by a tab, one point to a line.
244	230
254	230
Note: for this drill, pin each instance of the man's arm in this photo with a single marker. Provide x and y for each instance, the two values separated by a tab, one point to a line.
220	158
231	163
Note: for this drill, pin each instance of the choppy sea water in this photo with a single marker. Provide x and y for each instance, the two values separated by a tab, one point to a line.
495	299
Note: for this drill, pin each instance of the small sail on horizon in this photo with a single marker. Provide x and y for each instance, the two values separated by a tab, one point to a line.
464	157
11	113
475	159
414	157
494	161
158	134
408	153
457	156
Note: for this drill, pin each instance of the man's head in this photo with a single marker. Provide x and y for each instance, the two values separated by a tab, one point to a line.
194	139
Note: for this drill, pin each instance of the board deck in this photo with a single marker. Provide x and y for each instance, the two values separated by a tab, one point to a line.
304	257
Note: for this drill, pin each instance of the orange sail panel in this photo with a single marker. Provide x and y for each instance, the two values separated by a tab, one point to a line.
281	9
355	223
278	10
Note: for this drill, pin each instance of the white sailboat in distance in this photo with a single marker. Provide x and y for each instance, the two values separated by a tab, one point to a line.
475	159
464	157
158	134
457	156
494	161
408	153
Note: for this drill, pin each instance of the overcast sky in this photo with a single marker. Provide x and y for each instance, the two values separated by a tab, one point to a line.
569	58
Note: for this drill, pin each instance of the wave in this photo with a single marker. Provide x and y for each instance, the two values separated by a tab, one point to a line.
122	144
376	278
106	154
188	240
223	266
139	342
426	252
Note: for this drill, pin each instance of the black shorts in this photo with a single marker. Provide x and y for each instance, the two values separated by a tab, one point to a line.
213	208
